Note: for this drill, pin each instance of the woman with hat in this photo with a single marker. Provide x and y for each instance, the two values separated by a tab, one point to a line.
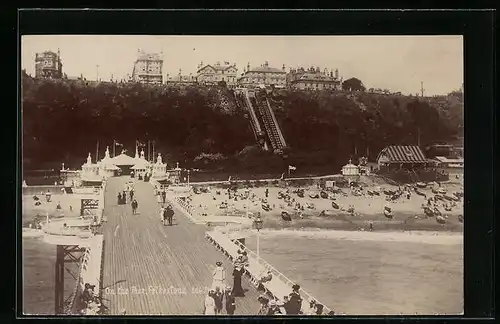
219	276
273	308
319	309
237	289
312	308
295	300
264	305
218	297
230	301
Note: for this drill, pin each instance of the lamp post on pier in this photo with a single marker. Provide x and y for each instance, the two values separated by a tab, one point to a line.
258	225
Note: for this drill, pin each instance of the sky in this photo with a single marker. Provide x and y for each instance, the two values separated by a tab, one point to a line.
396	63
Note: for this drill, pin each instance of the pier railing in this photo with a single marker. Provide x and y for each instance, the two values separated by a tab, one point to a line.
91	271
280	276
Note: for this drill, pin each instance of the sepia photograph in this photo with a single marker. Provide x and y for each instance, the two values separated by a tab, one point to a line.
242	175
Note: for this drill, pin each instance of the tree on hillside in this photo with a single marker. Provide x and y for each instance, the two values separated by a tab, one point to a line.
353	84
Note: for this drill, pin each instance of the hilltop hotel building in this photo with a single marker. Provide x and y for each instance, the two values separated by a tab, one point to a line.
263	75
313	79
212	74
148	68
48	65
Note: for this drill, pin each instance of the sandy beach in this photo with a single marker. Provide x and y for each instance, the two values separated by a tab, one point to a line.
408	214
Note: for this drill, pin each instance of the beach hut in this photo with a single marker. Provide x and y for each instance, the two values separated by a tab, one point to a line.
398	156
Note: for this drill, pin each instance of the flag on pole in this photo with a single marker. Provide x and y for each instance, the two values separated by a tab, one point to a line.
118	144
139	144
291	167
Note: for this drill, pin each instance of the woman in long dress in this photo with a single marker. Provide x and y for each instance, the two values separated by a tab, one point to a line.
219	277
209	304
237	289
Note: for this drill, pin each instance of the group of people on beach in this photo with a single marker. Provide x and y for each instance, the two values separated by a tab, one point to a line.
122	199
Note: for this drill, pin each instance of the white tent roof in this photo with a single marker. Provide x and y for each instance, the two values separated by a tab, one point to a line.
123	159
141	164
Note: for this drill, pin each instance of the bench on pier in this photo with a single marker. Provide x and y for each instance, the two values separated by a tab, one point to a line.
223	243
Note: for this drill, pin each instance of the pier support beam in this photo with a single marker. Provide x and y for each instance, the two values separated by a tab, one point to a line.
64	254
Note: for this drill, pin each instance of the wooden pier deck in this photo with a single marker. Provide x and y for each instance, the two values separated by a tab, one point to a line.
151	269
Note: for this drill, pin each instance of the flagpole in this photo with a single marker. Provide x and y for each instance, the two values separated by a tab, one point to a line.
97	152
149	150
114	146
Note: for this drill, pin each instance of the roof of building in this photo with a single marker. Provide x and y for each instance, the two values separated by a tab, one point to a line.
314	77
443	159
218	67
140	164
149	57
123	159
265	69
403	154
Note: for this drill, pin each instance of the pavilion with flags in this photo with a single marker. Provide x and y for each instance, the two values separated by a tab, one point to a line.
398	156
140	165
124	162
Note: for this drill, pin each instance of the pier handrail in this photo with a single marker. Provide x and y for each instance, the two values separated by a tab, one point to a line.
91	269
223	230
289	282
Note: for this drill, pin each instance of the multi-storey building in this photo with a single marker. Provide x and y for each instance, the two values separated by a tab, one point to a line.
48	65
148	68
262	76
313	79
213	74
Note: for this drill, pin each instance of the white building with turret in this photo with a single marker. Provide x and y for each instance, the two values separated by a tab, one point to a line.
159	168
141	166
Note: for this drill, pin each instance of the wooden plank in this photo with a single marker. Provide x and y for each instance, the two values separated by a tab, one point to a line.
176	261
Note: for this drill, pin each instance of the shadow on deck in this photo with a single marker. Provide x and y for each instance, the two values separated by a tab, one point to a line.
151	269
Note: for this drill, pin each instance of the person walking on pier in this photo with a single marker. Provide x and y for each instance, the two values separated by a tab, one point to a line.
124	197
120	198
131	193
209	303
237	288
295	301
219	276
164	195
218	297
134	206
170	214
230	301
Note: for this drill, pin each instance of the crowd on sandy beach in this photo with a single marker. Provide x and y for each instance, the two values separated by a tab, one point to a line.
373	203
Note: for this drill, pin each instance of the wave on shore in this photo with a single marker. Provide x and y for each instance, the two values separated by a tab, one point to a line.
447	238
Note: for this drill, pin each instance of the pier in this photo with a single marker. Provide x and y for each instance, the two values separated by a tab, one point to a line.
141	267
151	269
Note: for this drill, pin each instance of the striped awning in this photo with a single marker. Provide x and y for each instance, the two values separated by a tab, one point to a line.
403	154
